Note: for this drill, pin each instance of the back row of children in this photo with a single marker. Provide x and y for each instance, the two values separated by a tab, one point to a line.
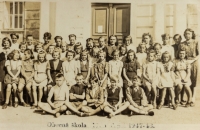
149	66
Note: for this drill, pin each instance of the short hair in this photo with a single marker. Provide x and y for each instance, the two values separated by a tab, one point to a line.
182	48
47	34
59	75
29	51
70	51
116	43
115	51
123	46
11	55
6	39
101	52
151	51
190	30
149	35
157	44
72	35
77	45
130	51
49	47
37	44
165	35
78	75
166	53
140	45
84	52
58	37
178	36
22	43
42	52
129	37
14	34
93	79
56	50
89	39
29	36
102	38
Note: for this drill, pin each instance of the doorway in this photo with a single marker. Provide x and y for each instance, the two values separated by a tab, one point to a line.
110	19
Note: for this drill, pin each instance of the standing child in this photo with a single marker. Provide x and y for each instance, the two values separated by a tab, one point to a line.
29	41
148	40
166	45
89	46
102	43
27	74
129	44
13	66
63	51
167	79
58	41
131	69
95	49
47	38
113	98
141	54
157	48
115	67
112	45
72	39
101	70
38	48
70	68
150	74
14	38
183	71
78	48
41	67
22	48
137	99
122	53
177	41
50	50
4	51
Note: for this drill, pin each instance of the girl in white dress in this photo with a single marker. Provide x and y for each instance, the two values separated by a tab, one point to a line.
167	79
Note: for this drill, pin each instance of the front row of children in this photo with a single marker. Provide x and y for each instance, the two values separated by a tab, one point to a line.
89	101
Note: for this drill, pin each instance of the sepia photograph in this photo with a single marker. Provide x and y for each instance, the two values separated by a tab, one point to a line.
99	64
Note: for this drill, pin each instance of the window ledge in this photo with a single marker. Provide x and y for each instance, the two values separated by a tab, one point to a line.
12	30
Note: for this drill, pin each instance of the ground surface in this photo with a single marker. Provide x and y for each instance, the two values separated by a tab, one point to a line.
26	118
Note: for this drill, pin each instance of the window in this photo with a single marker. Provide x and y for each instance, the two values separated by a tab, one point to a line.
14	15
169	19
192	17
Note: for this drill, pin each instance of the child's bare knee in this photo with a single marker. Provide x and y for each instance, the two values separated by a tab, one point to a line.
63	108
84	102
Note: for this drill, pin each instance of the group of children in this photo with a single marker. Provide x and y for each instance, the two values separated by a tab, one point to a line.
109	77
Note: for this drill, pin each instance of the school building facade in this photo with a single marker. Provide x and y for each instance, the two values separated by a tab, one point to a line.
95	18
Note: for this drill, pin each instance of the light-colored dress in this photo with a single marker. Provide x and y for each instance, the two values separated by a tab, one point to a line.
165	78
70	68
115	66
63	56
168	48
132	47
41	69
49	56
15	46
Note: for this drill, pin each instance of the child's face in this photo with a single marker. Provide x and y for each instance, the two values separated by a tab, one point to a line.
59	81
46	40
101	57
157	49
51	49
58	42
116	56
177	40
16	56
29	40
166	40
182	54
188	35
102	42
78	50
147	39
166	58
23	48
79	80
14	39
151	57
113	83
41	57
143	48
70	56
56	55
123	51
63	47
6	44
84	57
27	55
136	82
72	40
38	48
94	84
113	40
89	44
127	41
131	56
96	44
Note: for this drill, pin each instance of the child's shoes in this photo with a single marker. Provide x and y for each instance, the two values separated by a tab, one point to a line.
174	106
4	106
159	107
16	104
192	104
25	105
57	114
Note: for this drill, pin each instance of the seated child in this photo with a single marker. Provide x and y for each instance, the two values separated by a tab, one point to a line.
77	96
113	98
61	96
137	99
94	98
